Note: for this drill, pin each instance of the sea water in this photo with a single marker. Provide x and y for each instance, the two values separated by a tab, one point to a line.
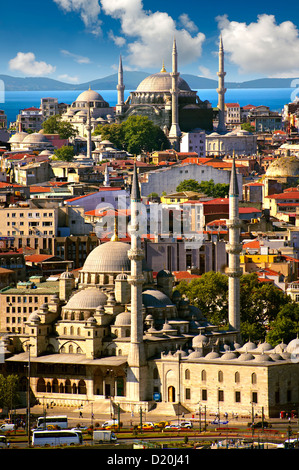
275	98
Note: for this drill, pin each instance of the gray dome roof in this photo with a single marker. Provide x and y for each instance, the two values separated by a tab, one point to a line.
293	346
245	357
161	82
212	355
123	319
195	355
18	137
89	298
284	166
35	138
67	275
199	340
110	257
155	298
228	356
89	95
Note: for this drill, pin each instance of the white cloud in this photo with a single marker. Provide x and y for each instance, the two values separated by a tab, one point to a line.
262	47
205	72
67	78
187	23
78	58
89	12
151	34
118	40
25	62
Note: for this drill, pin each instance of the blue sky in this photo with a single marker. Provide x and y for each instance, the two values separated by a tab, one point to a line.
81	40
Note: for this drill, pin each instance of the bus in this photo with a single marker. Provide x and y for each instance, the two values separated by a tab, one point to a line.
3	442
56	438
50	422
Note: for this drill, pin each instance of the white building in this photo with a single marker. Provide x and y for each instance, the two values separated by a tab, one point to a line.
239	141
194	142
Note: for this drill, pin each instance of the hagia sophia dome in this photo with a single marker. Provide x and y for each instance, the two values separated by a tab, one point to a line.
283	167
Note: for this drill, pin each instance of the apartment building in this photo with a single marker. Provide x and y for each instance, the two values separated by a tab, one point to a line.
29	118
49	107
232	113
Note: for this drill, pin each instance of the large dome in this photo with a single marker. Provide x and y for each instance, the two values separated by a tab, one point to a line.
283	167
89	95
110	257
161	82
35	138
89	298
155	298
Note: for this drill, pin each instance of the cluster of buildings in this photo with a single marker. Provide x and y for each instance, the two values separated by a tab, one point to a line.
91	251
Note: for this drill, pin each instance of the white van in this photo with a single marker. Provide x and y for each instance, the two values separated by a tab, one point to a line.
111	422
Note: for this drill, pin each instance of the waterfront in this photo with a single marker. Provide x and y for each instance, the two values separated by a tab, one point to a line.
275	98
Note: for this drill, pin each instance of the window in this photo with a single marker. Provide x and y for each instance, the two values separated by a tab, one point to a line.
203	375
187	374
237	397
237	377
220	376
220	395
253	378
204	395
188	394
254	397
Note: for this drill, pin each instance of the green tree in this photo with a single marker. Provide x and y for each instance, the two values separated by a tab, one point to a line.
54	125
285	326
246	126
8	391
188	185
135	135
65	153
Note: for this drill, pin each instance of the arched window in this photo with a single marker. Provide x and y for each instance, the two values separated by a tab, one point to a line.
72	330
203	375
253	378
187	374
220	376
41	385
237	377
78	331
71	349
64	330
67	386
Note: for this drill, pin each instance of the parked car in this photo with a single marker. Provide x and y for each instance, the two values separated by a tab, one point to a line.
172	427
147	426
260	424
161	424
186	424
7	427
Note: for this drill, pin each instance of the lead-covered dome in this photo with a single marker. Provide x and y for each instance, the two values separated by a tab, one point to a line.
86	299
110	257
161	82
89	95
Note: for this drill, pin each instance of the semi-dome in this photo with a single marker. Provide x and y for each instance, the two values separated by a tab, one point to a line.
35	138
284	167
161	82
89	95
155	298
89	298
110	257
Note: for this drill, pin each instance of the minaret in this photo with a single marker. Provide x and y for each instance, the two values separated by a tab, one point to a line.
233	249
221	90
120	89
106	176
88	130
175	132
136	376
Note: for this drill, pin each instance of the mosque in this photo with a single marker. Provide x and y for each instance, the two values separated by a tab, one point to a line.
120	339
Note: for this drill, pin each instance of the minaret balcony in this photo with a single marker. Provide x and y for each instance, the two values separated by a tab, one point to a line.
233	248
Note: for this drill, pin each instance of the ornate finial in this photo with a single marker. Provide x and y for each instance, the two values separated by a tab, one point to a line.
163	68
115	235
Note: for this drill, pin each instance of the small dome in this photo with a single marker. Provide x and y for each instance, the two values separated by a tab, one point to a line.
199	341
263	358
212	355
34	318
264	347
228	356
164	273
195	355
280	348
123	319
18	137
89	298
293	346
67	275
122	277
91	321
245	357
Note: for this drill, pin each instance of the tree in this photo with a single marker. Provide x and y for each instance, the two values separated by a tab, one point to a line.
54	125
285	326
135	135
8	391
207	187
65	153
246	126
188	185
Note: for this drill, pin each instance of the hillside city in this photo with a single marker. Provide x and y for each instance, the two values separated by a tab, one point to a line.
149	254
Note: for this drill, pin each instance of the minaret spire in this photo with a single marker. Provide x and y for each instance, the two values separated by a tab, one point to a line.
233	249
175	131
136	378
88	129
221	89
120	88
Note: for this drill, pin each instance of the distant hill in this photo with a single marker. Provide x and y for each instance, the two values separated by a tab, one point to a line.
131	81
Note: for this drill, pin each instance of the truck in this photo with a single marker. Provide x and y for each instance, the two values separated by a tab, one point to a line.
100	436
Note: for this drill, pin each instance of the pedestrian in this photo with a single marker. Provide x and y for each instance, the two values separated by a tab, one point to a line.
80	414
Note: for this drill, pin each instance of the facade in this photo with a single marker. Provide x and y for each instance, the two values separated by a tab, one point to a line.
232	114
194	142
238	141
49	107
29	118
